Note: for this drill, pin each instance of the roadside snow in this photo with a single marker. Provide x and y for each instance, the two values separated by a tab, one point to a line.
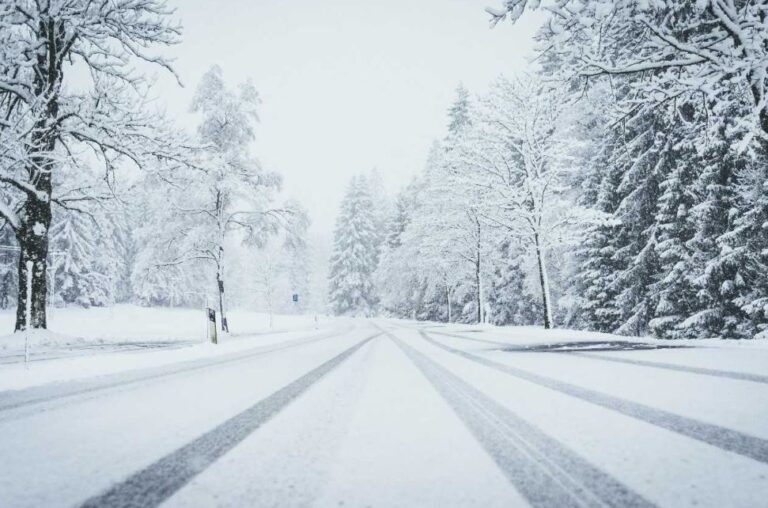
131	323
82	343
529	335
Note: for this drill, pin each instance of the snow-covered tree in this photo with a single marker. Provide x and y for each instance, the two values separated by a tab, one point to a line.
297	253
683	87
74	239
509	299
516	154
397	279
46	123
225	196
436	262
459	116
451	241
8	268
711	50
155	278
748	246
271	266
355	253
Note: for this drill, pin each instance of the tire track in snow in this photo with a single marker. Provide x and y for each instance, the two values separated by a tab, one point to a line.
544	471
741	376
721	437
21	399
729	374
157	482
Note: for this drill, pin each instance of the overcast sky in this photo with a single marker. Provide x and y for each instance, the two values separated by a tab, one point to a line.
346	85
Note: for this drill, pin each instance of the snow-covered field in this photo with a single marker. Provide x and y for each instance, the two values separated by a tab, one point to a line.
383	413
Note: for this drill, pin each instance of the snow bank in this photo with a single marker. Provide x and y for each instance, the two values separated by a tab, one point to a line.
74	326
92	342
530	335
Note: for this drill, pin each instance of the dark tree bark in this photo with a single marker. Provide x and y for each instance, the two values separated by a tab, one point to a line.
448	301
478	283
34	249
220	286
544	282
32	233
45	122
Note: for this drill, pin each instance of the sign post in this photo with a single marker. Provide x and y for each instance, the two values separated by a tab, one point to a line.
212	326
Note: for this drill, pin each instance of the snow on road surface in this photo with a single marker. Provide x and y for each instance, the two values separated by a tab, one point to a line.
394	413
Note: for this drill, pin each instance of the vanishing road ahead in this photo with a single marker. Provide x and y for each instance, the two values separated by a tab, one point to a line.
390	413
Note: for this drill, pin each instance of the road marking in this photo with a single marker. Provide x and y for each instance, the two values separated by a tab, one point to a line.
160	480
715	435
544	471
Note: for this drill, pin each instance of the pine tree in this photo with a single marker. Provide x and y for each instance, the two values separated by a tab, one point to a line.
8	269
510	301
397	284
675	228
459	112
297	252
644	160
79	259
619	260
355	255
749	240
597	255
720	276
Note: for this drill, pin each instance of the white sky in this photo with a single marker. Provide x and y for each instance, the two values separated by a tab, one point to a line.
346	85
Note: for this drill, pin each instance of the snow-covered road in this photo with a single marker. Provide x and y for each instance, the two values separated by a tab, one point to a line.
389	413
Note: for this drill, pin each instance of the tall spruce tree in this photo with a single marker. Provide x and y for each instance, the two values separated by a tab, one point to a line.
355	254
749	241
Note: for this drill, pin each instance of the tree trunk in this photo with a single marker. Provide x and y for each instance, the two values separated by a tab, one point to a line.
33	243
269	307
220	285
478	277
32	233
544	280
478	296
448	300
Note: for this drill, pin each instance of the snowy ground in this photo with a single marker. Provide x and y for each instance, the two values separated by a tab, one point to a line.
390	413
131	323
116	337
